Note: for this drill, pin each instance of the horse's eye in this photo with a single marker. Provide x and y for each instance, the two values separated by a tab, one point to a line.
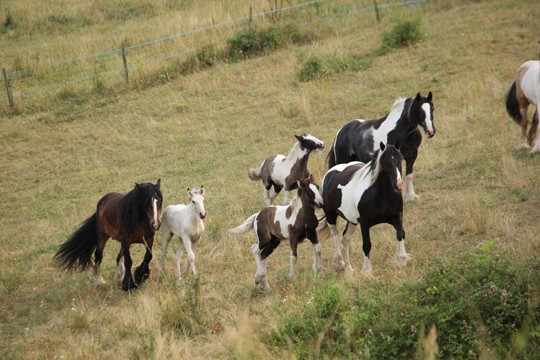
193	201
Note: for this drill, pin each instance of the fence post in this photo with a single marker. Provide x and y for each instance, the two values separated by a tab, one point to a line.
124	60
376	11
8	89
250	15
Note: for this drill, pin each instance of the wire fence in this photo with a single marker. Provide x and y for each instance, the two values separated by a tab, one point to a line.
20	75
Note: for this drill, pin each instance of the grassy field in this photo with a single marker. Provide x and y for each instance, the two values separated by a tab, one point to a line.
61	153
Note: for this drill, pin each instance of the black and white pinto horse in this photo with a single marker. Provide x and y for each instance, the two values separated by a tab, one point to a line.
279	171
295	222
365	194
359	139
525	90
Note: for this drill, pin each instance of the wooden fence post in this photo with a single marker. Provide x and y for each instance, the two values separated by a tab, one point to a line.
124	60
376	11
250	15
8	89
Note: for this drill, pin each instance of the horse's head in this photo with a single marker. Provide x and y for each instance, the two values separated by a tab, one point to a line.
153	201
196	196
390	165
310	142
310	190
422	111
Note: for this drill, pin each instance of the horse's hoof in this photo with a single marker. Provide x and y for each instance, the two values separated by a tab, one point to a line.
339	265
401	261
410	197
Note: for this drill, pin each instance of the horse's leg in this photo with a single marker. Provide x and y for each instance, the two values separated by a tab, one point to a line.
409	165
127	283
266	196
339	264
347	236
120	264
166	236
98	256
190	253
366	247
260	273
294	253
275	192
142	272
402	257
317	262
177	271
523	109
534	135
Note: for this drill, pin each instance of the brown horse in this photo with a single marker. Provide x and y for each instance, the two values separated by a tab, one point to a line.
131	218
294	222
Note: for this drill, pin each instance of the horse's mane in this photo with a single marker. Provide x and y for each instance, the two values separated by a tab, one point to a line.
134	204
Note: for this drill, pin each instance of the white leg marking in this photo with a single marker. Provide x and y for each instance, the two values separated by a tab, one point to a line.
121	269
409	189
339	264
317	262
190	254
98	279
267	200
351	228
401	255
366	268
293	263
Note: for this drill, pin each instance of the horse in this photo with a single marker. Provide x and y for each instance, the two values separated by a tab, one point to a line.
294	222
279	171
524	91
131	218
358	139
366	194
186	222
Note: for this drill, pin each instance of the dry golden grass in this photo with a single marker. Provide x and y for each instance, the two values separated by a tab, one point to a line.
208	128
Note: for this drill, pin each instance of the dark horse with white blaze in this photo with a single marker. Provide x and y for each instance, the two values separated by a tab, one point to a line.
281	171
365	194
131	218
294	222
359	139
524	91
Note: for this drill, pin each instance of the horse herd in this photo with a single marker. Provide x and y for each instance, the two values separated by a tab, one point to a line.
363	186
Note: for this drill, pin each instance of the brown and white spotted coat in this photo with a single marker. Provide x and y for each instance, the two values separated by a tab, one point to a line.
282	172
295	222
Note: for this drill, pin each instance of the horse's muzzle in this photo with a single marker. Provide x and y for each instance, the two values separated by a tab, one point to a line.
155	226
202	215
399	185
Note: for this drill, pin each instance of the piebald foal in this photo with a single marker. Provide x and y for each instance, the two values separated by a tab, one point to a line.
295	222
281	171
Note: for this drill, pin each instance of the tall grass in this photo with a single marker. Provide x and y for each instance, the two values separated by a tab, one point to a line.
60	156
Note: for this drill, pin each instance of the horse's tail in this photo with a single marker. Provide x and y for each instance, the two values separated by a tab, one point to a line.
245	227
255	173
512	106
78	249
322	221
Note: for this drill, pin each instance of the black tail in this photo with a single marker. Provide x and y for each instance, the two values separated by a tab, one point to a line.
512	106
78	250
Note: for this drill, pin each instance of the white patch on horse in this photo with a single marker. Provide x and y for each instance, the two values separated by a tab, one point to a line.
281	216
381	134
155	210
352	191
318	196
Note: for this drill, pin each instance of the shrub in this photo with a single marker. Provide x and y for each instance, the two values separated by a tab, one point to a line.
478	302
317	67
404	33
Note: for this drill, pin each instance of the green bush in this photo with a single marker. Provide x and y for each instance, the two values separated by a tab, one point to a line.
404	33
316	67
478	302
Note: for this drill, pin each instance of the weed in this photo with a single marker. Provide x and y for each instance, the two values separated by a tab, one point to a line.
404	33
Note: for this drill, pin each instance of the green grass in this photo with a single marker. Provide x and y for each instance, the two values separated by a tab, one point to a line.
61	153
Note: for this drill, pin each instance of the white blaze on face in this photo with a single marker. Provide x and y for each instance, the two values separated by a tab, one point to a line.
155	209
429	121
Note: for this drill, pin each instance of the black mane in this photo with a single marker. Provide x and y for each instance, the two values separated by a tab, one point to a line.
135	203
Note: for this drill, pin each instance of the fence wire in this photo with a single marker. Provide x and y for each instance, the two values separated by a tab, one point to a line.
185	34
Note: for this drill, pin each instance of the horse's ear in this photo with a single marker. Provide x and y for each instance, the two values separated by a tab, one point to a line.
189	191
418	97
311	177
158	183
299	138
381	145
429	96
202	190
